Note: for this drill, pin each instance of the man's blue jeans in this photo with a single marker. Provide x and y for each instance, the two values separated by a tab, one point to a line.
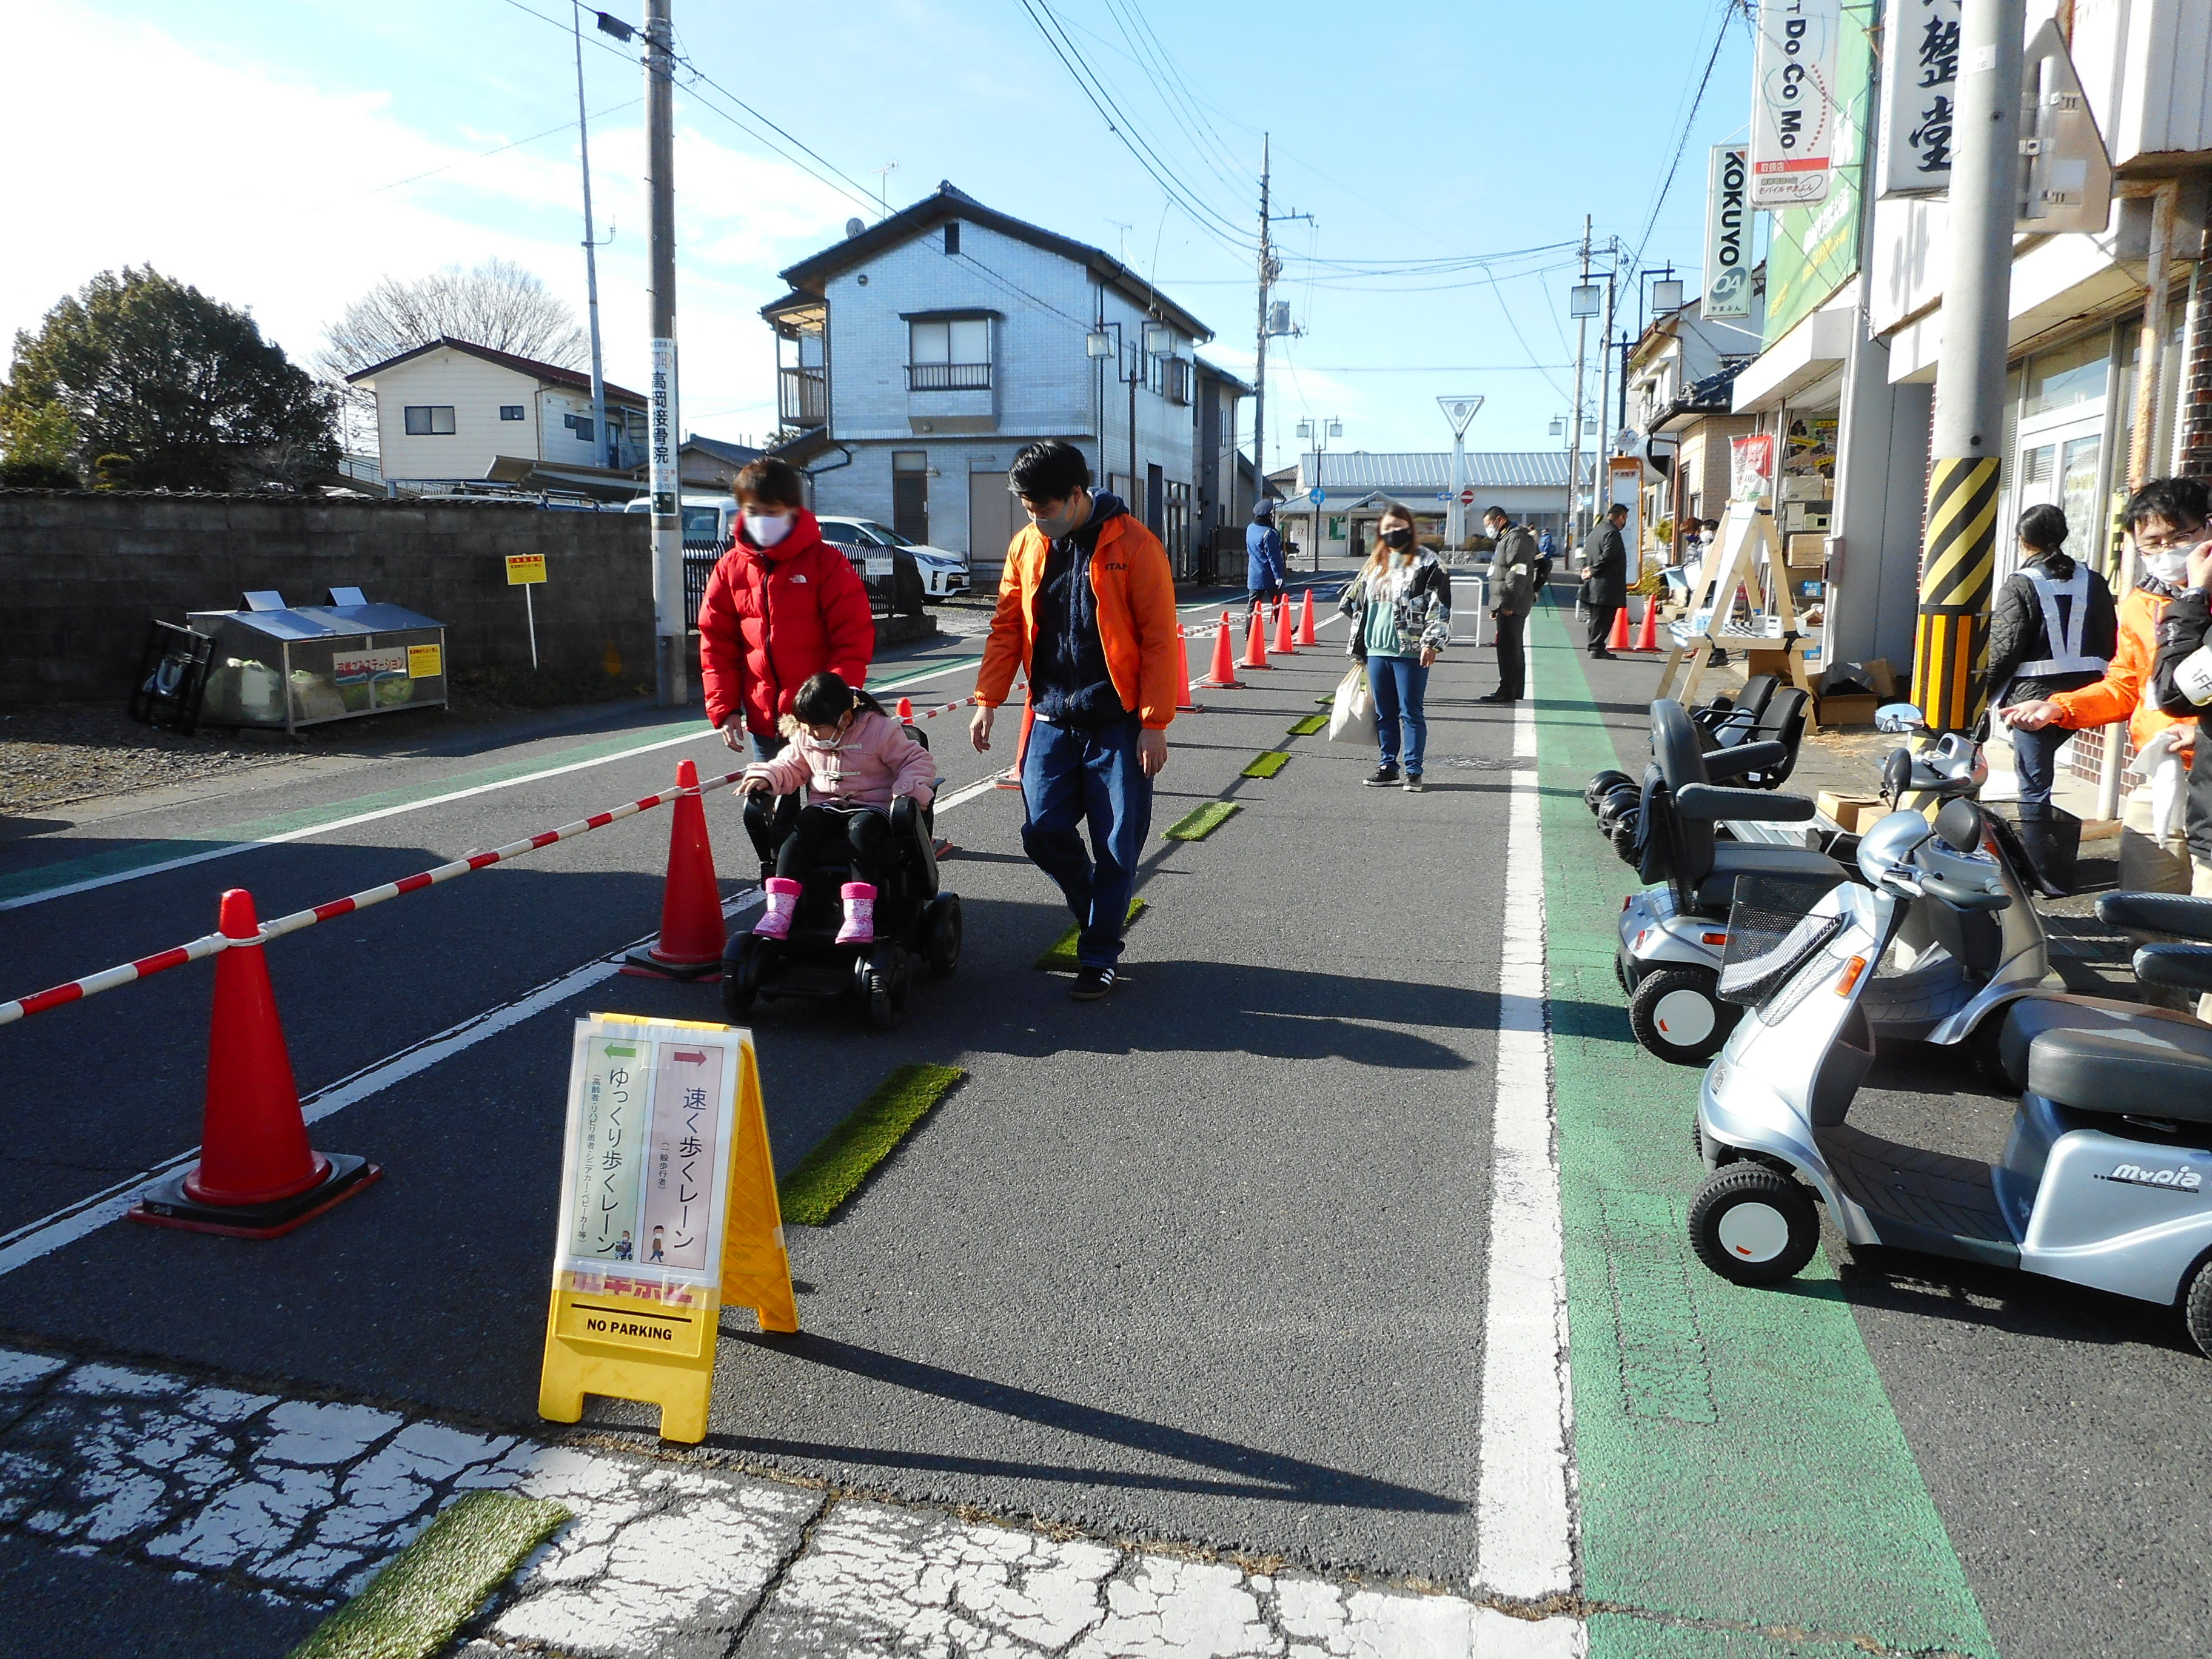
1075	774
2034	758
1400	683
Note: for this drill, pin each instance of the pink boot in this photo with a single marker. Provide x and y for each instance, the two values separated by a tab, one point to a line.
860	926
783	905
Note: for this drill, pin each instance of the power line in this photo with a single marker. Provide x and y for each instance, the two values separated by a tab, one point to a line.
1682	143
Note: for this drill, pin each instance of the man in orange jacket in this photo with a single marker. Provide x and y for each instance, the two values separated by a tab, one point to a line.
2165	518
1086	610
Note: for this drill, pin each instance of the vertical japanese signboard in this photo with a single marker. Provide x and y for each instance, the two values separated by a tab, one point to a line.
1920	81
1728	234
1793	104
660	453
667	1211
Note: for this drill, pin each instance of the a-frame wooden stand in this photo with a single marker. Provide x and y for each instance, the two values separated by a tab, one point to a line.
1747	536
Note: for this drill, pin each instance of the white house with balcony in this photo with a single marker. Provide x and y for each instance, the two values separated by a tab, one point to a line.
916	357
450	412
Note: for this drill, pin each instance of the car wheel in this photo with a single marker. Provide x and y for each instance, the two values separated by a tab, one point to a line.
1676	1013
1752	1225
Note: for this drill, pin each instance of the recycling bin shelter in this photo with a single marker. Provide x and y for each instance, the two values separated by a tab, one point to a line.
276	665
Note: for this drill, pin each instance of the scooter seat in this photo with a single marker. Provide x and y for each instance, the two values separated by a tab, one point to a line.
2030	1017
2152	1070
1732	859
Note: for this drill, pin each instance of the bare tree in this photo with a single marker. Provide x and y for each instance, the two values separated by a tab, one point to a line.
496	303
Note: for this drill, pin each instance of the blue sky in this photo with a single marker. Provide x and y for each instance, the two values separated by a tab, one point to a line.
258	150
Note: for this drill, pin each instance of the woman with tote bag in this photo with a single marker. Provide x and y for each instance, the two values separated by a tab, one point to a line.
1400	609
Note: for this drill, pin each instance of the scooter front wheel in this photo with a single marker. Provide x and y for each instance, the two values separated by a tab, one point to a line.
2196	1306
1677	1013
1752	1225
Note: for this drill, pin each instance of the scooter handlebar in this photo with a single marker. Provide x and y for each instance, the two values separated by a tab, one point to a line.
1960	897
1703	800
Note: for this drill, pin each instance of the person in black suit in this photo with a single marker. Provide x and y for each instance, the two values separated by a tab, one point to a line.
1605	579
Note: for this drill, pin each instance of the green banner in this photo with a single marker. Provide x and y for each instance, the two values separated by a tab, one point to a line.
1811	252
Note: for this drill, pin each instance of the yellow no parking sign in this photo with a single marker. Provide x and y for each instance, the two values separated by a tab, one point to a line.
668	1211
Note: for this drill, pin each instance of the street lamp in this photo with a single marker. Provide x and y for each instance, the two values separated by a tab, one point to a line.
1319	433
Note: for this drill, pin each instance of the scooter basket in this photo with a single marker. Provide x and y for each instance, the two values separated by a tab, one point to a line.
1771	931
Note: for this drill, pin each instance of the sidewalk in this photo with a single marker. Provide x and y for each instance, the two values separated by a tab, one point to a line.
242	1518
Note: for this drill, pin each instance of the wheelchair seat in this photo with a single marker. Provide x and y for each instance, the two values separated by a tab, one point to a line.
2144	1068
2031	1019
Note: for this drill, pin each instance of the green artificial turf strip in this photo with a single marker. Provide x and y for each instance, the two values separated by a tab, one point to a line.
1326	699
1266	763
834	1170
1309	725
1060	958
1202	820
424	1593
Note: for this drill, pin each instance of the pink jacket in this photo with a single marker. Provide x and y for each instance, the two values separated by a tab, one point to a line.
873	762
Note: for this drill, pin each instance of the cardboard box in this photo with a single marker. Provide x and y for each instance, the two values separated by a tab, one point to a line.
1852	709
1851	813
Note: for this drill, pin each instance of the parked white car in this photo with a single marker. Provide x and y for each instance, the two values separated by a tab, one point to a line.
943	573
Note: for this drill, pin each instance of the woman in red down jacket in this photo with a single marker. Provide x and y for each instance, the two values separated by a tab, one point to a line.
782	606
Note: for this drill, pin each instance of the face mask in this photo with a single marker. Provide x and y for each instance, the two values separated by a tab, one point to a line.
766	532
1398	540
2169	566
1056	526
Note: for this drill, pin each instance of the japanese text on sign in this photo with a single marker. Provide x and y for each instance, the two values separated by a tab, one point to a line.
1920	86
523	568
1793	122
660	448
1728	234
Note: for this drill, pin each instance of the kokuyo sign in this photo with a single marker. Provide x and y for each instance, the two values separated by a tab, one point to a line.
1728	234
1793	104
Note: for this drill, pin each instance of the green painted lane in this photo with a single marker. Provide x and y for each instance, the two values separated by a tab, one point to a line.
1744	1486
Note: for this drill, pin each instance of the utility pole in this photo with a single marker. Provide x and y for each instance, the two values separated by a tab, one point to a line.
1259	360
1575	416
603	445
1601	458
1958	563
670	679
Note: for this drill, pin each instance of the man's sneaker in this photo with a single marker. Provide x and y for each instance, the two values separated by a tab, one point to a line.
1413	784
1384	776
1093	983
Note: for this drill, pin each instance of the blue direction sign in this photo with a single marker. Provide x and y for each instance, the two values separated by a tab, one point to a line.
1316	495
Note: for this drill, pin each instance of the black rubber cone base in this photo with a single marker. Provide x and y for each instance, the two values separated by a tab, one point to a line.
644	964
168	1205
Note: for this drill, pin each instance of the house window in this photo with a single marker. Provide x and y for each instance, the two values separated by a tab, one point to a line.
949	355
952	237
510	412
580	425
429	420
1174	374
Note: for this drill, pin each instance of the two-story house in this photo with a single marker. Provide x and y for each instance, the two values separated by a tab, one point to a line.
918	355
1680	375
452	412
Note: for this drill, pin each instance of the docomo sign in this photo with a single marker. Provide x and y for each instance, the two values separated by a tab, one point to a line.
1793	116
1728	235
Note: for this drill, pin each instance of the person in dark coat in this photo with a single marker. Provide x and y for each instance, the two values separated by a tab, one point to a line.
2054	627
1265	571
1605	580
2181	684
1513	563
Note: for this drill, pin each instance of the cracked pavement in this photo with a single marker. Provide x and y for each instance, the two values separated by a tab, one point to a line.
286	1507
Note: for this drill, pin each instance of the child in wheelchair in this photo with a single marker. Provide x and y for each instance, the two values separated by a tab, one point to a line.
853	759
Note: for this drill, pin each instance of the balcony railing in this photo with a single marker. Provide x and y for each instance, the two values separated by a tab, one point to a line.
803	396
948	377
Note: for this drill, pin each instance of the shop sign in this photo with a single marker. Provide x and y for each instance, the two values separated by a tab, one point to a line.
1728	234
1793	116
660	451
1919	94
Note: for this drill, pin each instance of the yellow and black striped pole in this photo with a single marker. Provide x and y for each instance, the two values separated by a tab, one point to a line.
1956	573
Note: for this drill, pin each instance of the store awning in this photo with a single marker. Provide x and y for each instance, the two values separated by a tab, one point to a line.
1808	354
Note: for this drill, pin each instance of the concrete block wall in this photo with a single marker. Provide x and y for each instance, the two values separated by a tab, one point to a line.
84	573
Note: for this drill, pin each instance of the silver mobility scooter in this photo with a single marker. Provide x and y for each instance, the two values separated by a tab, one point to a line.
2103	1181
1947	974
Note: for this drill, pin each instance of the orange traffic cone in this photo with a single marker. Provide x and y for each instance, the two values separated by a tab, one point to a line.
1305	621
1255	642
1223	674
1283	646
1184	704
256	1176
1647	632
1617	639
692	931
906	711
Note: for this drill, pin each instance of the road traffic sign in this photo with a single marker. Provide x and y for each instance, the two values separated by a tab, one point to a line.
523	568
1466	496
1316	495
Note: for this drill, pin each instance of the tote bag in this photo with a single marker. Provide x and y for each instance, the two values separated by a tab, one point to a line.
1351	716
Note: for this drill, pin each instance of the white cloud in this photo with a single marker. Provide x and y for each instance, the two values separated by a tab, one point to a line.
262	188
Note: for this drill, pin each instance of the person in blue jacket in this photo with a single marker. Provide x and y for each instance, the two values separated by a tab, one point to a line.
1265	571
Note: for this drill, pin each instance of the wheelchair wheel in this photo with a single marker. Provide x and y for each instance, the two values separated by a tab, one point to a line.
1676	1013
741	973
941	934
888	978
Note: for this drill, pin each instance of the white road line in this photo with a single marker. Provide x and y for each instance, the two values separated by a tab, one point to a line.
307	832
1524	1532
27	1243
